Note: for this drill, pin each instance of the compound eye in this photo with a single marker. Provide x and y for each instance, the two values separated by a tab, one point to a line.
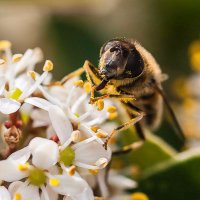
135	63
125	52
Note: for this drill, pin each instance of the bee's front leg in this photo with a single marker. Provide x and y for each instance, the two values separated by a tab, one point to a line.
122	97
78	72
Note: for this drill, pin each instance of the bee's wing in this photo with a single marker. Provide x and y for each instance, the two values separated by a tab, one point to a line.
171	112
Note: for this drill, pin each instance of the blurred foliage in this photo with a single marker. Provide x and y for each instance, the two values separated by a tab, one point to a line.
178	179
74	43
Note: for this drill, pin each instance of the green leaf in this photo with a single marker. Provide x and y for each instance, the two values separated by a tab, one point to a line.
177	179
154	151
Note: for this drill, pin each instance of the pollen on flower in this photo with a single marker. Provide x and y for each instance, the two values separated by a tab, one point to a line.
2	61
139	196
94	128
16	58
112	116
54	182
79	83
23	167
32	74
111	109
72	170
100	104
17	196
93	171
87	87
48	66
4	44
101	133
15	94
24	117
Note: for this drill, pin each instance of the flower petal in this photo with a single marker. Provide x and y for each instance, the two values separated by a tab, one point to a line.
69	185
84	154
14	186
60	123
87	194
12	171
23	82
45	152
29	192
21	156
38	102
2	84
51	194
40	118
8	106
4	194
121	182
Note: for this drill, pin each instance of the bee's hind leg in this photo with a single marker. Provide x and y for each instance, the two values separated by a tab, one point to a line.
124	126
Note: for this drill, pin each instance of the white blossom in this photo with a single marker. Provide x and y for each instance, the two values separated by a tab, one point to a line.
42	174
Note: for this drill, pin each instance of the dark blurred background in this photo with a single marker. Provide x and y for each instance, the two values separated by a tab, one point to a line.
72	31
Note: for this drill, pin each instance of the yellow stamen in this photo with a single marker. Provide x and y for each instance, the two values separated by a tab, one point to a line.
72	170
79	83
101	134
77	114
2	61
32	74
17	196
15	94
93	171
87	87
100	104
23	167
24	117
54	182
99	198
189	103
48	66
94	128
4	44
111	109
139	196
113	116
194	51
16	58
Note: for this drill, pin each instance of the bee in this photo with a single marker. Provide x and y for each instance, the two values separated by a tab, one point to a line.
128	72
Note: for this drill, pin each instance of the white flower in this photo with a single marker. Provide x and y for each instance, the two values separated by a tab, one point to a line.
114	186
75	105
4	194
16	86
42	174
84	157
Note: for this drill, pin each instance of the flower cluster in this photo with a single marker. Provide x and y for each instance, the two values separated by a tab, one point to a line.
52	137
